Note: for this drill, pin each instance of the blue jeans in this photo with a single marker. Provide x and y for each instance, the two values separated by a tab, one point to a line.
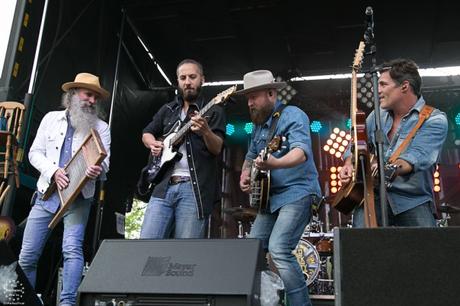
178	211
419	216
280	232
37	232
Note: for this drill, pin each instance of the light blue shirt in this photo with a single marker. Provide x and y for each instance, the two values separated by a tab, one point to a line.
416	188
288	184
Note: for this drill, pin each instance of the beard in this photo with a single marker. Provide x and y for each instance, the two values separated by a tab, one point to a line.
190	95
259	116
82	115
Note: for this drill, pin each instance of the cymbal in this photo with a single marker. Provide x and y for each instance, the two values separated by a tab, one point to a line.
447	208
242	213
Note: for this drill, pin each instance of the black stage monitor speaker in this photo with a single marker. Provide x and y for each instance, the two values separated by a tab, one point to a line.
15	289
221	272
397	266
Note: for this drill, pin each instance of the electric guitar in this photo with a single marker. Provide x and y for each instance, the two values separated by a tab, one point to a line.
260	179
157	165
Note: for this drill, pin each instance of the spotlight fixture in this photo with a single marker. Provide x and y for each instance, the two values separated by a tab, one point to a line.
337	143
365	90
334	182
287	93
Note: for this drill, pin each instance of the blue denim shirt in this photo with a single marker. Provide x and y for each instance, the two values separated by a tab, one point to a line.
288	184
53	202
416	188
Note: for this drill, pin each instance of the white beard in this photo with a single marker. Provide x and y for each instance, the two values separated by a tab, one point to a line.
82	116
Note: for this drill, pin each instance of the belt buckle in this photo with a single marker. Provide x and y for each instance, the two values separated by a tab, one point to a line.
178	179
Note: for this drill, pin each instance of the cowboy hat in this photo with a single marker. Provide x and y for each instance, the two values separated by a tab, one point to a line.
87	81
259	79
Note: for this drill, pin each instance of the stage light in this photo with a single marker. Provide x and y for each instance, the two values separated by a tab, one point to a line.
248	127
337	142
287	93
437	180
316	126
348	124
334	181
229	129
457	119
365	90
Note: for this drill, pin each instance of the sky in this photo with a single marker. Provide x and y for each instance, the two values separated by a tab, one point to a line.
6	20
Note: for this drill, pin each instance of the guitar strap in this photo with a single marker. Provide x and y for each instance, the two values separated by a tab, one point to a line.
424	114
275	117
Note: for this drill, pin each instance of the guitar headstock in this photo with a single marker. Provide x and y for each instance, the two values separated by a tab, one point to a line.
222	96
359	55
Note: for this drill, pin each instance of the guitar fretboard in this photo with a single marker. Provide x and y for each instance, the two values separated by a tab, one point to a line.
175	139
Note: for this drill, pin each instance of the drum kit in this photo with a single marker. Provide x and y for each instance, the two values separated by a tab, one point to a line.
313	252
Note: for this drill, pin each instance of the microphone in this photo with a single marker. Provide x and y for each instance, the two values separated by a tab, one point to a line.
369	17
369	33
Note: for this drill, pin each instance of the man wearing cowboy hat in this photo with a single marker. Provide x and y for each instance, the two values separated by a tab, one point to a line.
293	178
59	136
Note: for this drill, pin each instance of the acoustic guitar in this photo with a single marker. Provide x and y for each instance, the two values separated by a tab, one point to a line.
260	179
360	189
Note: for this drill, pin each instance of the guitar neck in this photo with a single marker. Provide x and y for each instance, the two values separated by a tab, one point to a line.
183	130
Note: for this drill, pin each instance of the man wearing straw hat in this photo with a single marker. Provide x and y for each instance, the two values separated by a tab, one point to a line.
294	178
59	136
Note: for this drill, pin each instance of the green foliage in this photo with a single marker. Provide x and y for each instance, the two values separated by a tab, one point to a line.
133	221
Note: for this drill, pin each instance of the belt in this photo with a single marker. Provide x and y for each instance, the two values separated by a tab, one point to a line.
178	179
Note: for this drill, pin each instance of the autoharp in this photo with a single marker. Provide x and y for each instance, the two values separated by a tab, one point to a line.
90	153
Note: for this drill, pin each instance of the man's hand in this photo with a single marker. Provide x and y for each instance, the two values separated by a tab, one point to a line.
61	179
199	124
346	173
93	171
245	181
156	147
268	164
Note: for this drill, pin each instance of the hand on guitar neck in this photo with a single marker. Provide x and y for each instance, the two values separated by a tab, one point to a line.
391	171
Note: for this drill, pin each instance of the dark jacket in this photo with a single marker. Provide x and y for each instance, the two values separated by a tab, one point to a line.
203	165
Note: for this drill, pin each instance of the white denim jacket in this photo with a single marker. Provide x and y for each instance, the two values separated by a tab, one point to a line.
46	149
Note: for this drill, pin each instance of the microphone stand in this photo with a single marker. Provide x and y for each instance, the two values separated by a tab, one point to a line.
379	135
101	199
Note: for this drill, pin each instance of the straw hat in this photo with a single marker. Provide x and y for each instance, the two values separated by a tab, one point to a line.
259	79
87	81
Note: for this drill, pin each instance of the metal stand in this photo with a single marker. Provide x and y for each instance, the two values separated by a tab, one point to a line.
379	135
101	198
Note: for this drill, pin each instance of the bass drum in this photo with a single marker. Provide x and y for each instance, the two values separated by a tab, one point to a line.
308	259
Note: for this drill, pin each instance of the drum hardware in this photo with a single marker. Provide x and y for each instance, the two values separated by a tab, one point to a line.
242	216
449	209
241	233
323	286
446	209
325	246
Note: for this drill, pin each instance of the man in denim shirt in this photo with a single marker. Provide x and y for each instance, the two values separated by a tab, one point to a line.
411	195
58	138
294	179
